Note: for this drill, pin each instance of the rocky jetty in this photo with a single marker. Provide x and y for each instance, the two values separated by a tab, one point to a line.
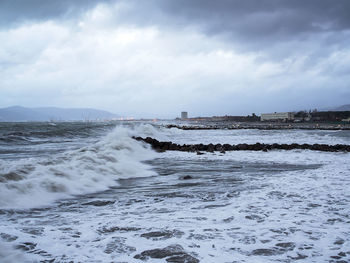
170	146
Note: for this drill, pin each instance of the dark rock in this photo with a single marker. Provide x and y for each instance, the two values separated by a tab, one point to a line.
199	153
218	147
184	148
255	217
286	245
295	146
164	146
258	147
265	252
284	146
211	148
242	147
342	254
185	258
172	250
192	148
336	257
227	147
304	146
229	219
187	177
26	246
339	241
173	147
10	177
108	230
234	148
99	203
275	146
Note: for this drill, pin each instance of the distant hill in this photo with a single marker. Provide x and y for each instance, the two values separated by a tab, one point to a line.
341	108
18	114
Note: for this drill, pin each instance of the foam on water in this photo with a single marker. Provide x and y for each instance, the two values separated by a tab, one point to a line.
10	255
261	216
253	136
244	206
34	182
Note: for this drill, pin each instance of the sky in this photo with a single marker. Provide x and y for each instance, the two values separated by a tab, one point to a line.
157	58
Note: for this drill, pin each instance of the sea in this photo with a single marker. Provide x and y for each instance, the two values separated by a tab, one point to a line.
89	192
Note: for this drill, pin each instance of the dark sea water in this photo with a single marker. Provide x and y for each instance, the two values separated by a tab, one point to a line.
88	192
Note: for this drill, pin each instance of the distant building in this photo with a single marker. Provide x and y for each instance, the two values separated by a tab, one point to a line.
184	115
277	116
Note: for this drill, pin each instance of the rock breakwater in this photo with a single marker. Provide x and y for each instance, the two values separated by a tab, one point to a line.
170	146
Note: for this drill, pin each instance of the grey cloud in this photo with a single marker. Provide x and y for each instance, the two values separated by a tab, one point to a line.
262	17
304	44
14	12
236	20
279	28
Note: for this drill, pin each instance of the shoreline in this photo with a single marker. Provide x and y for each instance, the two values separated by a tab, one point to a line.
188	125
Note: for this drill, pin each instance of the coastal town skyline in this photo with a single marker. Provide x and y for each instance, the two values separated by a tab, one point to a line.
56	114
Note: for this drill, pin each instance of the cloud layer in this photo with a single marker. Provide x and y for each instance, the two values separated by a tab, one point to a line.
156	58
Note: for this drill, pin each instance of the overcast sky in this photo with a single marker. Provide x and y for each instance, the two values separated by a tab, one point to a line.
156	58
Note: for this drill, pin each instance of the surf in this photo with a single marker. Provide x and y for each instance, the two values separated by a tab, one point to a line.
35	182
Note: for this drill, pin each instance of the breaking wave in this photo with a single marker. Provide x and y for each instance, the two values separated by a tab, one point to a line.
40	133
34	182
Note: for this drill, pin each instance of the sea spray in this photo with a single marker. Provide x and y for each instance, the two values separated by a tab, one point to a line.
39	181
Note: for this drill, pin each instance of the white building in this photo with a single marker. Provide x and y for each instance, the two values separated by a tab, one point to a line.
277	116
184	115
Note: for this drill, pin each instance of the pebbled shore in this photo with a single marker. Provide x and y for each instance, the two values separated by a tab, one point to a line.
170	146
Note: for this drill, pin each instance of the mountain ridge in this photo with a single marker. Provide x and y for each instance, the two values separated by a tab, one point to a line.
24	114
345	107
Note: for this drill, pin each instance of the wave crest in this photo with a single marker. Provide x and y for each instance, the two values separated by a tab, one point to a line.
36	182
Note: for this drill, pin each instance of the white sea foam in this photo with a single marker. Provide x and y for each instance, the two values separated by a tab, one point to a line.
254	136
8	254
35	182
292	204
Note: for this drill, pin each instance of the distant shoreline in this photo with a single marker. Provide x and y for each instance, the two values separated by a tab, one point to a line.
210	125
259	126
